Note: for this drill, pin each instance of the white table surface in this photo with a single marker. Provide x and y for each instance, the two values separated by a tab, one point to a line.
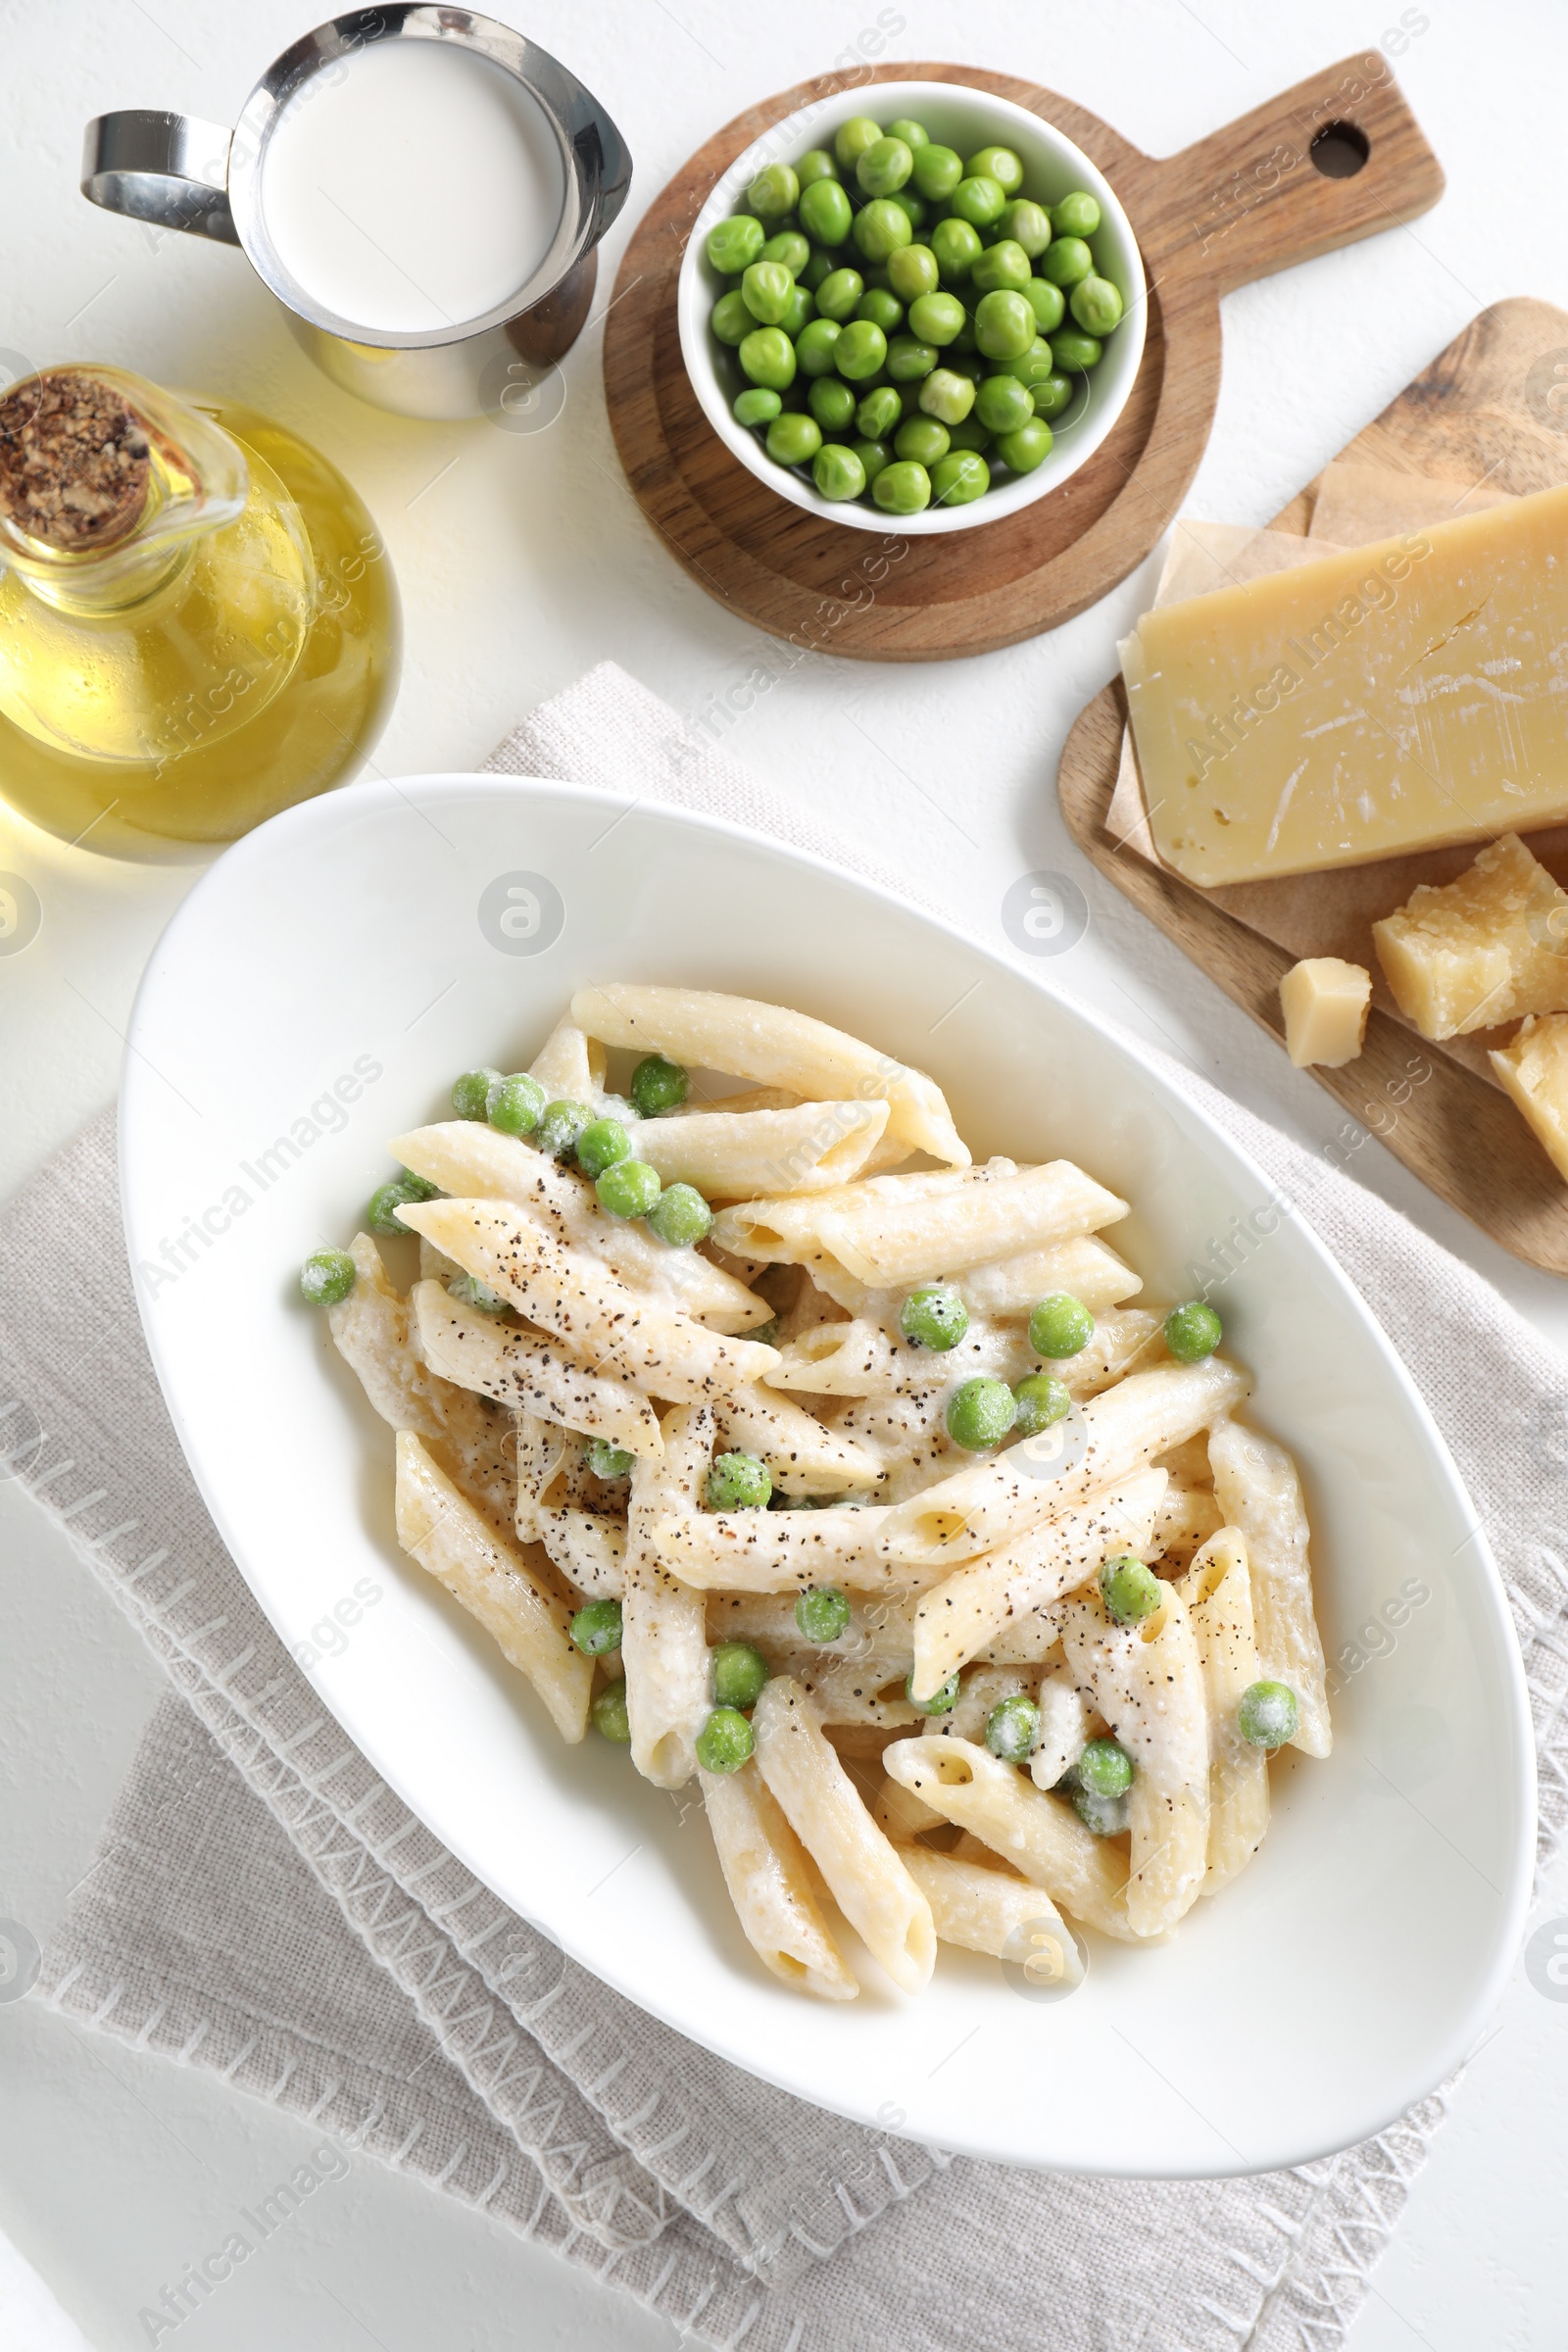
521	560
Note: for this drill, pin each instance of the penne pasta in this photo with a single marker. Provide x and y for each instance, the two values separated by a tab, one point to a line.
522	1369
766	1871
499	1585
664	1645
1187	1517
1257	1490
1219	1600
774	1047
801	1455
735	1156
784	1552
568	1068
1065	1716
1084	1265
995	1911
840	1359
903	1815
860	1868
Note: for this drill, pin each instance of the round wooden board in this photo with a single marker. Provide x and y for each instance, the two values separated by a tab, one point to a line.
1238	205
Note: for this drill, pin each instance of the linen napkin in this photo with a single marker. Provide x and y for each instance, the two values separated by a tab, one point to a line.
263	1906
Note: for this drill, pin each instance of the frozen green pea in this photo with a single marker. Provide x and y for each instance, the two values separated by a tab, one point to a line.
629	1189
879	412
923	438
821	266
1001	163
881	227
943	1700
1053	392
1105	1816
471	1093
381	1211
908	359
740	1671
1076	216
959	478
969	433
979	200
609	1712
883	169
823	1613
1003	404
1040	1400
725	1740
600	1143
1004	326
816	346
903	489
913	134
765	290
596	1630
815	166
1131	1590
794	440
798	311
837	472
826	213
936	318
860	350
326	1277
657	1084
1027	447
1097	306
1268	1714
731	321
1074	352
559	1125
830	401
774	191
852	139
934	1316
738	1481
756	407
734	244
1105	1768
681	1216
1060	1326
837	296
947	396
514	1104
470	1290
1011	1729
1027	225
875	457
1066	260
1192	1331
957	247
913	272
788	247
882	306
980	1413
767	357
1002	268
1047	302
607	1461
936	171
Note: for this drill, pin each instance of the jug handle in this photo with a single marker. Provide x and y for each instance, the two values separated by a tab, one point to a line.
172	170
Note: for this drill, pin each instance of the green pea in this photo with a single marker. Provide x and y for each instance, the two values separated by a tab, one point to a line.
913	134
765	290
1042	1400
609	1712
801	308
470	1290
913	272
969	433
908	359
381	1211
596	1628
880	412
936	317
734	244
903	489
1107	1816
816	346
1061	1326
788	247
681	1216
1011	1729
819	267
1000	163
882	308
730	320
1026	447
979	200
1192	1331
860	350
1076	216
794	440
959	478
881	227
947	396
1004	326
740	1671
326	1277
629	1189
941	1702
600	1143
658	1085
852	139
1267	1714
837	296
1033	368
837	472
1105	1768
910	206
1066	260
1047	302
774	191
1053	393
957	247
934	1316
830	401
816	164
924	439
607	1461
936	171
768	356
725	1740
1003	404
980	1413
875	457
514	1104
738	1481
559	1125
826	213
823	1613
471	1093
755	405
1002	268
884	167
1130	1590
1027	225
1097	306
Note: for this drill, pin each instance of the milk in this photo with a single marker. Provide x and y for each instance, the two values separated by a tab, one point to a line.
412	186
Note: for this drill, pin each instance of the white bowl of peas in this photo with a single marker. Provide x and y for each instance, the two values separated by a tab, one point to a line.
913	308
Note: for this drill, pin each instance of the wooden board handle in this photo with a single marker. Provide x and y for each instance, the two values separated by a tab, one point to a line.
1254	198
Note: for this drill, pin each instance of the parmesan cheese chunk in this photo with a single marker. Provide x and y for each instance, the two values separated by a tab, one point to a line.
1325	1002
1479	951
1534	1070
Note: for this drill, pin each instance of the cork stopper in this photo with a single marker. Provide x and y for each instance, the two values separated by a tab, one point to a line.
74	465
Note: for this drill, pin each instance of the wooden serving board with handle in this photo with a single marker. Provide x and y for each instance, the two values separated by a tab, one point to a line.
1492	408
1247	200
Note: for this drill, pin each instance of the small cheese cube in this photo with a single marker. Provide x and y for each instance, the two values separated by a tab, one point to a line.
1534	1068
1325	1003
1481	950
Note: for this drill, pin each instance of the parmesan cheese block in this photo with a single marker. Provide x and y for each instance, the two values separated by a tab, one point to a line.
1325	1000
1386	698
1534	1070
1482	950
